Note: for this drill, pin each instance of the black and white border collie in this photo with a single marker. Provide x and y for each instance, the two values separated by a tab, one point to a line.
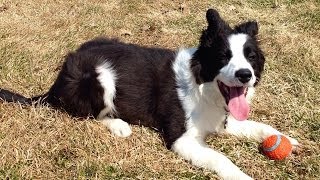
184	95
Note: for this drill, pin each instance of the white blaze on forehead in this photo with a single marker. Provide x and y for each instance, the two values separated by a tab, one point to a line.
236	43
238	61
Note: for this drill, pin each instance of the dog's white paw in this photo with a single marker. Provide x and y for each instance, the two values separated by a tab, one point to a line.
118	127
293	141
296	146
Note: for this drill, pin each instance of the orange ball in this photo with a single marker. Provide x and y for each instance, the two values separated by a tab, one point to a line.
276	147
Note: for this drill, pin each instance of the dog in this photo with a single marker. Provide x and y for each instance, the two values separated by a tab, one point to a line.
184	95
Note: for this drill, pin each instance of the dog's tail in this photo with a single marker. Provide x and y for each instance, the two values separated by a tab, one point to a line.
8	96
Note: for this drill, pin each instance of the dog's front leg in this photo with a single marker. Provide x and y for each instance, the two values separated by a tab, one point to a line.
253	130
193	149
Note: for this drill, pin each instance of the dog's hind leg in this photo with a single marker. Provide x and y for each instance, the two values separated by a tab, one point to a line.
253	130
193	149
117	127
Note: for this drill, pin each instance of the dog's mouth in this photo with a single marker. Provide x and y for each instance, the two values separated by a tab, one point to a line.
235	98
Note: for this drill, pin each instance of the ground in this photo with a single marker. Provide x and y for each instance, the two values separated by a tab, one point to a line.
41	143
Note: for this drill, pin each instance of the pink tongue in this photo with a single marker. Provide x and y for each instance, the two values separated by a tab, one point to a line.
238	105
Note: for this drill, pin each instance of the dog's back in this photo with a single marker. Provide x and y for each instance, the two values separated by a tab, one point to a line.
141	75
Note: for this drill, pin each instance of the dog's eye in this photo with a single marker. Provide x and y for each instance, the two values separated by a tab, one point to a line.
252	56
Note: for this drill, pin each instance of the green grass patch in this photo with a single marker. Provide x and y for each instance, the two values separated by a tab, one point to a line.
310	20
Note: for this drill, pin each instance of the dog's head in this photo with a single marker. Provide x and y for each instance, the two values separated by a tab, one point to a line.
230	59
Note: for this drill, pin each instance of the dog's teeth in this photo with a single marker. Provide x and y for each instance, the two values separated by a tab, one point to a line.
226	89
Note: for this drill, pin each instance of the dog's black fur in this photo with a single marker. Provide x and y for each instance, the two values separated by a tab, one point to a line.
146	89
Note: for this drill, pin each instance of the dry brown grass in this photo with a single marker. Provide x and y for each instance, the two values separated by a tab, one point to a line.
40	143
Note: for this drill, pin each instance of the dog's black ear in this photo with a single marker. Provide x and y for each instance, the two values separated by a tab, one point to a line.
213	19
216	27
250	28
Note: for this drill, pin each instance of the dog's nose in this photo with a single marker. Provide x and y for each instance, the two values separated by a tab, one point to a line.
244	75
